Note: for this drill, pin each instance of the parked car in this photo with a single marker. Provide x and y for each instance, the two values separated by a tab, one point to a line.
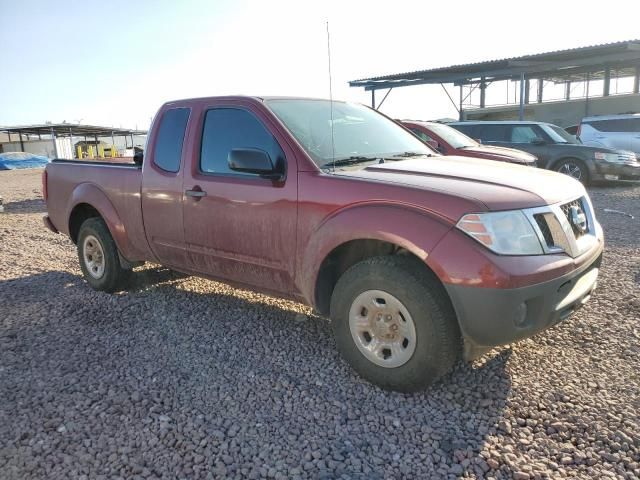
418	259
556	149
449	141
611	131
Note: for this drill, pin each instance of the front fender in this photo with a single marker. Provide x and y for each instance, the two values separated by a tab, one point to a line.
409	227
92	195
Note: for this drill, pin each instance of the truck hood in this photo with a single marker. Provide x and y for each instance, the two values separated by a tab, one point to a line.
500	153
496	185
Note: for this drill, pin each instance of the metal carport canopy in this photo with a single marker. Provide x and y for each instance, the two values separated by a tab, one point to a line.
59	130
620	58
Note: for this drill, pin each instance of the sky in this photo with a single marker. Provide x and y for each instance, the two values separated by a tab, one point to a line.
114	63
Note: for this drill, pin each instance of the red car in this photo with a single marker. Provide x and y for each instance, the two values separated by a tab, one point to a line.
449	141
418	259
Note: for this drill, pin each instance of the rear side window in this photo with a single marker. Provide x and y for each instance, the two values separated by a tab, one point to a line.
616	125
170	138
523	134
229	128
494	133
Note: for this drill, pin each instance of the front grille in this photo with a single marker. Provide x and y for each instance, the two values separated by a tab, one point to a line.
627	158
552	231
566	208
544	228
557	233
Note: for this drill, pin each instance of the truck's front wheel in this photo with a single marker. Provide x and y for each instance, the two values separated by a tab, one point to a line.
394	324
98	257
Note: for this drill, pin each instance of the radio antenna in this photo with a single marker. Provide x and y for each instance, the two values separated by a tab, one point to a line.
333	145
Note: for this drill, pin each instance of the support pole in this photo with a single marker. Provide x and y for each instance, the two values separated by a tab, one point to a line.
460	110
636	81
521	112
21	142
607	82
527	87
450	99
540	89
483	87
567	91
55	145
384	98
586	101
373	99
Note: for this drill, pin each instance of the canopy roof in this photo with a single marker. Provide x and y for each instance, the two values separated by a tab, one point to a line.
70	129
614	59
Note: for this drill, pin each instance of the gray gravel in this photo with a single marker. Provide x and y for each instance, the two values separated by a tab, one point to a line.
187	378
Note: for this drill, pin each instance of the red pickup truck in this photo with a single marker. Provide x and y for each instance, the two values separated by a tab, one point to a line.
418	259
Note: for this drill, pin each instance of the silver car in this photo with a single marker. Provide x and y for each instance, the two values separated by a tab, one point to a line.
619	132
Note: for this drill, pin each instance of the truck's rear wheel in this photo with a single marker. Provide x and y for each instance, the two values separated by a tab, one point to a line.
98	256
394	323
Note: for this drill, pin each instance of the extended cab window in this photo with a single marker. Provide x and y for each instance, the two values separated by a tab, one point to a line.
229	128
168	151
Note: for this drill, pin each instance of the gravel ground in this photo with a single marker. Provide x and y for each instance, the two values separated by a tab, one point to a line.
187	378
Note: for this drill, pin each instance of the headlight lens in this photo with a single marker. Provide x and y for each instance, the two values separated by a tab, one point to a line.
506	233
607	157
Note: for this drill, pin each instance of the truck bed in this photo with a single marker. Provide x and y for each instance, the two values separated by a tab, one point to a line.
114	189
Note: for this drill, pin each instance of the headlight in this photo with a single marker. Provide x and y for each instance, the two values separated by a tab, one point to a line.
607	157
506	233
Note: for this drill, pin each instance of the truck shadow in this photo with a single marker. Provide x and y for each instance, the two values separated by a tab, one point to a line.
34	205
235	357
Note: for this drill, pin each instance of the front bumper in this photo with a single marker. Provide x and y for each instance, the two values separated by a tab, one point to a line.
489	317
613	171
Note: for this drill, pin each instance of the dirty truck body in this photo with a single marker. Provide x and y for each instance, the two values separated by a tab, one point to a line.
418	259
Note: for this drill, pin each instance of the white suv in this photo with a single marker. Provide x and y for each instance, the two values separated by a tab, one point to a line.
620	132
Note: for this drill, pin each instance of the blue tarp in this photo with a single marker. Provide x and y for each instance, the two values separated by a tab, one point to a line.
14	160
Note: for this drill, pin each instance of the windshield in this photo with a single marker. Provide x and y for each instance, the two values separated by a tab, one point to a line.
557	134
358	131
452	136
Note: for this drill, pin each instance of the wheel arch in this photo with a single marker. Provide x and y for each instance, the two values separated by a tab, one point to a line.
358	234
87	201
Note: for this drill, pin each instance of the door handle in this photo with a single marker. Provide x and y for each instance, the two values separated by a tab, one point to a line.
196	192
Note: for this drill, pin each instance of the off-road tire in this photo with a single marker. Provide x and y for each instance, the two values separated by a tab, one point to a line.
438	343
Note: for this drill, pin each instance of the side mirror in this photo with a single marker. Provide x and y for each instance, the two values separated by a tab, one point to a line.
538	141
138	156
253	160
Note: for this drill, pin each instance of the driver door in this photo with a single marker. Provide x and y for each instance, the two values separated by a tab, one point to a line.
241	227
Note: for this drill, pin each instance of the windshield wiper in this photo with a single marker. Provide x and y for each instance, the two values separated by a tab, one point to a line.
412	154
351	160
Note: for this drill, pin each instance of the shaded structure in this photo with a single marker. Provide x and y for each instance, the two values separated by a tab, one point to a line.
587	65
52	132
